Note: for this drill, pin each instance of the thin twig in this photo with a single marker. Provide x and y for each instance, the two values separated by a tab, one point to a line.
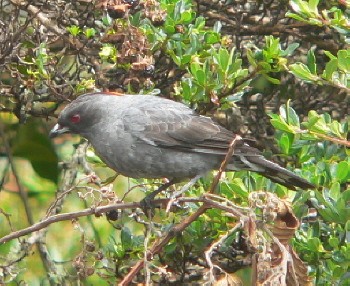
183	189
146	261
209	252
22	193
224	163
65	216
5	173
59	199
98	211
332	139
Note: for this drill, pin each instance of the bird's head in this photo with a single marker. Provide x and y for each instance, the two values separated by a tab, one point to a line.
78	117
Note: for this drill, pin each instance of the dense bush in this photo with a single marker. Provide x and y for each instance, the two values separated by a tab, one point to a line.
277	72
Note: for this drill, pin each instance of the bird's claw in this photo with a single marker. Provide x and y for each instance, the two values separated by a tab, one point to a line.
147	206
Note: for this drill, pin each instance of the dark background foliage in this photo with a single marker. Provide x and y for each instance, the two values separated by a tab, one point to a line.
276	72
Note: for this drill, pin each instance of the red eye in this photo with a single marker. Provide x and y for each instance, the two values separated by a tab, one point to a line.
75	118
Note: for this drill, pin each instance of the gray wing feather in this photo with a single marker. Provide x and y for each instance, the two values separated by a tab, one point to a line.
187	131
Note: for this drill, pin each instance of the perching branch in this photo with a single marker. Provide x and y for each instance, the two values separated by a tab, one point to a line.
65	216
98	211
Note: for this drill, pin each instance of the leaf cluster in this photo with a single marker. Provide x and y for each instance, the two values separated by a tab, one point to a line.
277	72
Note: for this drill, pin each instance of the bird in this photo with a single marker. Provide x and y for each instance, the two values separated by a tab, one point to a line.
148	136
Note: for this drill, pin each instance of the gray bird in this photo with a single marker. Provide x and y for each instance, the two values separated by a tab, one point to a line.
145	136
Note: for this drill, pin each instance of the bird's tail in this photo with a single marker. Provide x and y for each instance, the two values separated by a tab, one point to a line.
251	159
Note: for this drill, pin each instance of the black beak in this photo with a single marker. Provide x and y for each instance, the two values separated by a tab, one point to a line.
58	130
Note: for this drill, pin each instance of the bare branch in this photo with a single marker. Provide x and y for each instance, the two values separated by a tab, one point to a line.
98	211
65	216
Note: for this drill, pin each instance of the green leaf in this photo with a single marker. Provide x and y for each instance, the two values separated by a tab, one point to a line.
280	124
238	187
89	32
334	191
224	57
37	148
107	20
211	38
186	17
336	129
295	6
170	248
311	61
169	28
271	79
273	46
251	58
200	77
334	242
126	238
186	84
194	67
342	173
108	52
195	44
330	55
217	27
179	8
185	59
313	117
295	16
304	154
284	143
302	71
199	23
290	49
331	67
291	116
74	30
313	6
315	244
344	60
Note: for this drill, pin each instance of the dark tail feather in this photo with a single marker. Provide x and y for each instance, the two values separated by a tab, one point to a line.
249	158
282	176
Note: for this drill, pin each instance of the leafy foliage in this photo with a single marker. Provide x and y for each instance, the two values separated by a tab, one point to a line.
270	71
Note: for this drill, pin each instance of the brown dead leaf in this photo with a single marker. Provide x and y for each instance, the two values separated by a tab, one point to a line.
276	263
285	224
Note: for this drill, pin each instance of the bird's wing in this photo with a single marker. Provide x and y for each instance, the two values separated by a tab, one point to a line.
202	134
182	129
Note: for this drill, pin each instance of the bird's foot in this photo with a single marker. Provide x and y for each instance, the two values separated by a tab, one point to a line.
147	205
